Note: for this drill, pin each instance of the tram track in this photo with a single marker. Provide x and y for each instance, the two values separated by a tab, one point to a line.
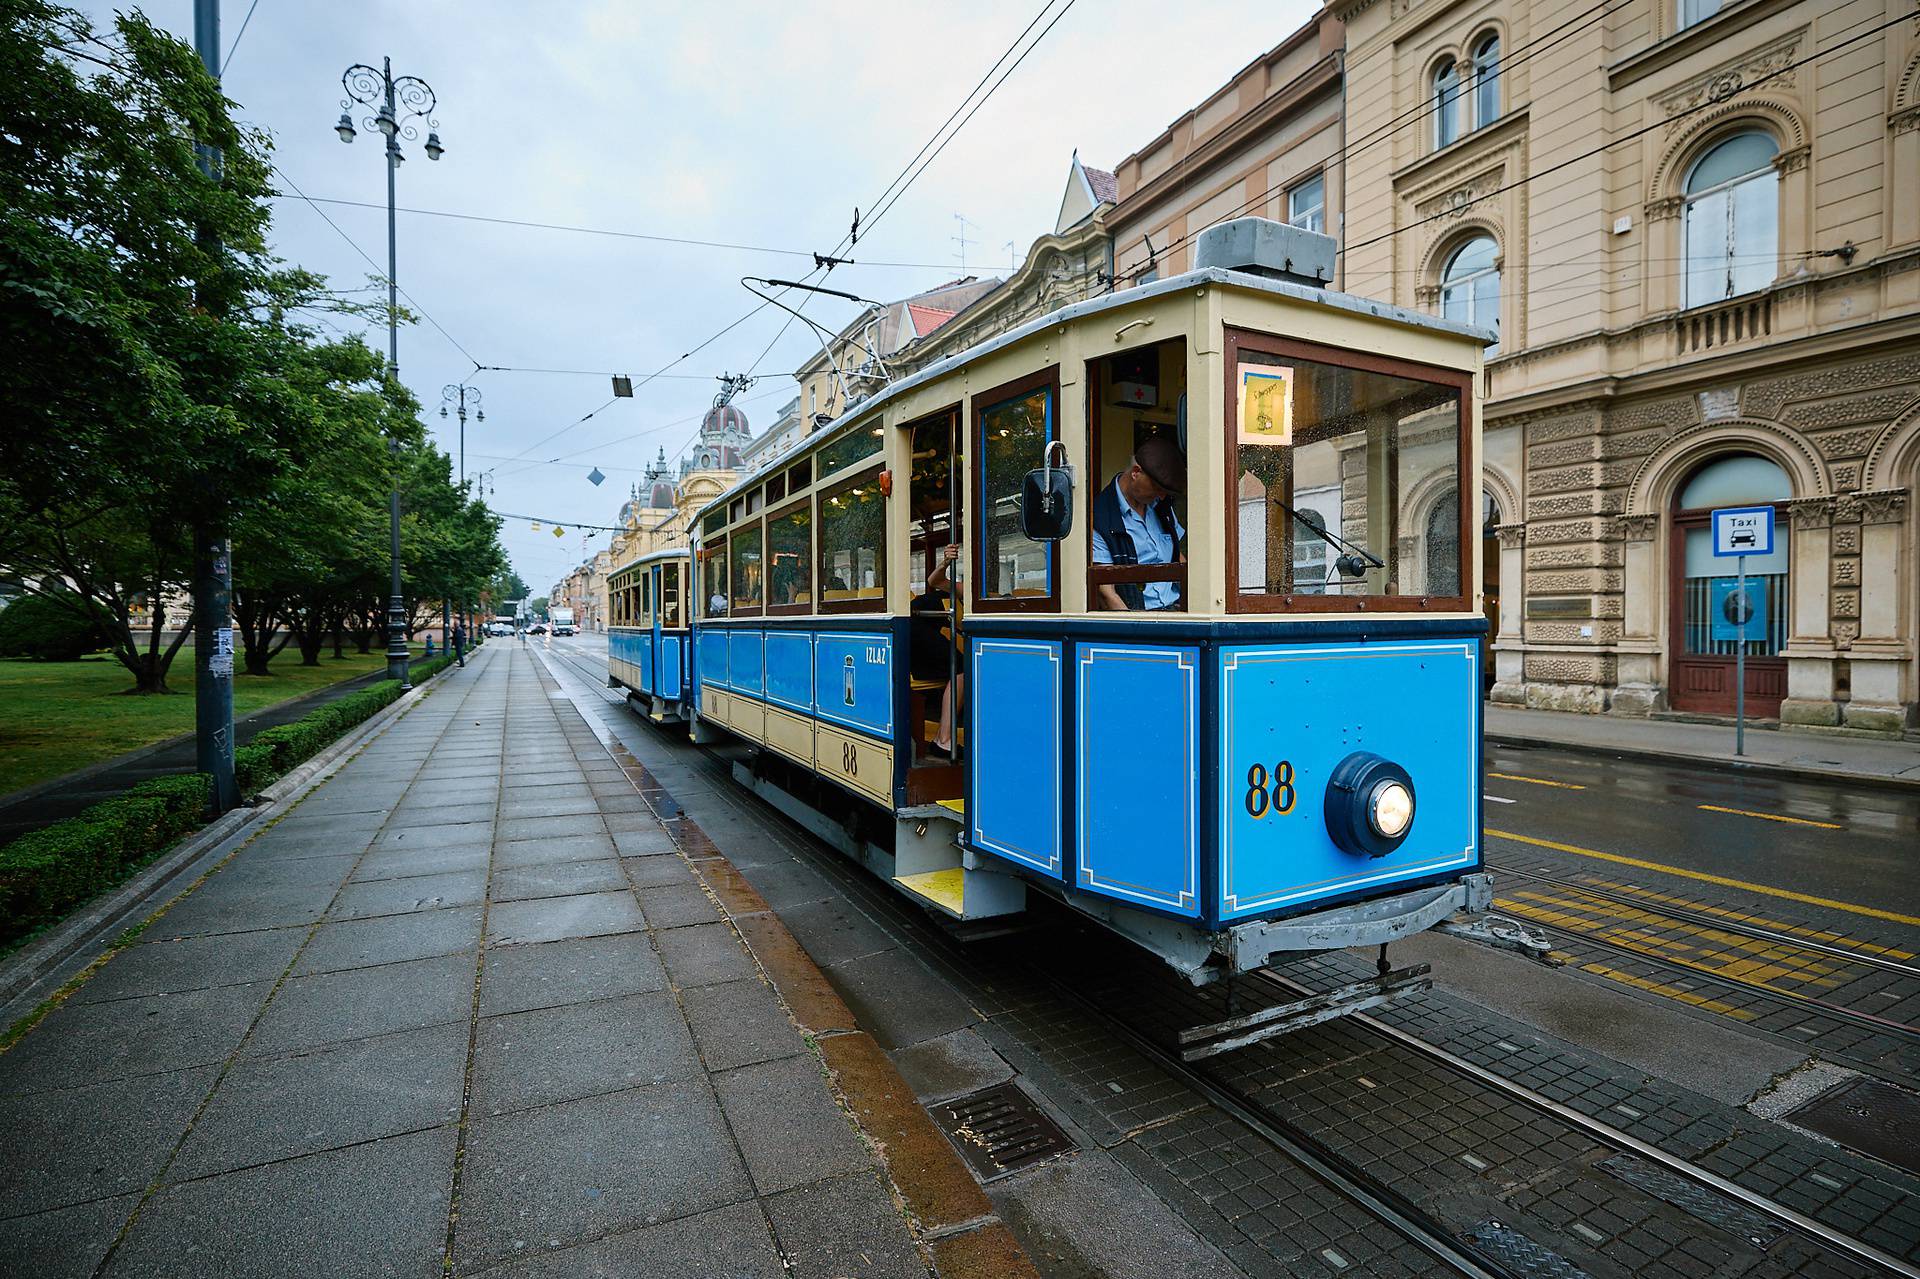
1444	1246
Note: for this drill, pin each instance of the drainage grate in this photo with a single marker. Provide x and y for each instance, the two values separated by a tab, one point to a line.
1519	1255
1690	1197
999	1130
1874	1118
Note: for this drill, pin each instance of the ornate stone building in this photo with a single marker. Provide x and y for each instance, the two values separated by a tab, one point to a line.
1697	228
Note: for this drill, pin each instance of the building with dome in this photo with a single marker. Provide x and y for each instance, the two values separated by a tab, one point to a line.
659	509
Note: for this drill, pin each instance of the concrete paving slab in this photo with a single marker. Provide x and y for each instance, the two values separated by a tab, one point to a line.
844	1229
236	907
363	899
739	1023
348	793
362	1211
331	870
703	955
657	870
554	918
592	1167
519	790
389	939
166	966
530	1059
618	822
617	802
1087	1215
430	812
951	1065
677	905
94	1141
734	1242
67	1243
517	978
411	863
79	1044
557	879
785	884
301	822
284	1107
549	828
547	850
421	838
363	1002
834	931
275	843
642	839
538	804
790	1128
897	1000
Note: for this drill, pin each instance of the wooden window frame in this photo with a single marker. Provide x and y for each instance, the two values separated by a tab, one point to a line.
845	484
734	607
678	570
705	552
1099	575
812	558
1466	467
1048	378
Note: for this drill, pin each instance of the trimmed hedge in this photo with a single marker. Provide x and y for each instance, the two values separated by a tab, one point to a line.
46	873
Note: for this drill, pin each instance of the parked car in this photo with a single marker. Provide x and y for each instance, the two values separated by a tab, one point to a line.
538	628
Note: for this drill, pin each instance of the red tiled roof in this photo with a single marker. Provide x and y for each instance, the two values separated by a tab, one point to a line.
928	318
1105	186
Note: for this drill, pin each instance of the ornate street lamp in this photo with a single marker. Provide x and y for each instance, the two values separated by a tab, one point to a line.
458	394
397	103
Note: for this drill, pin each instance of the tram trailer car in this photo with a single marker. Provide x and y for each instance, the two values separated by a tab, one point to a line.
648	643
1266	747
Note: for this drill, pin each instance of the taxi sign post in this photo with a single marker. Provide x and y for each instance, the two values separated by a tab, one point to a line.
1741	531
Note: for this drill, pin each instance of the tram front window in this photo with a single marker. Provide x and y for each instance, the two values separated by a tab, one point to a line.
1346	475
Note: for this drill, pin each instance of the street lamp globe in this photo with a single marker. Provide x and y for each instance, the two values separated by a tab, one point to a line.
480	415
434	149
345	127
443	410
386	123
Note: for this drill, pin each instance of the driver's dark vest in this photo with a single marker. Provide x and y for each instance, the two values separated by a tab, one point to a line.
1110	523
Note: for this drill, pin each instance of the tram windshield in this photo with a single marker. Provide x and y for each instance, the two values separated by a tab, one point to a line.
1339	469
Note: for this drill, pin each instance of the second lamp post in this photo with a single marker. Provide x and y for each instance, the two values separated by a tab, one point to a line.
397	104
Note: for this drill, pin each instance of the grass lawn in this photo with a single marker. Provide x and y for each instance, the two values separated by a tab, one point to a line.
59	716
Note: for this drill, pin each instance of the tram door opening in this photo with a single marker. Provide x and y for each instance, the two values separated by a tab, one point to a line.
936	657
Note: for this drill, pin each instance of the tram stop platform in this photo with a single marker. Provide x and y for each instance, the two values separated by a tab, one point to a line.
476	1004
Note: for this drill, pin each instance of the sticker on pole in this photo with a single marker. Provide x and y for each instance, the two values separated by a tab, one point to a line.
1743	530
1739	611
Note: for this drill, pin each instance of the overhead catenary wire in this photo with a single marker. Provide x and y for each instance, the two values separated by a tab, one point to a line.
240	35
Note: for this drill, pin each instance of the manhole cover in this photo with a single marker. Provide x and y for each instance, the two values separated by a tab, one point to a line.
1875	1118
999	1130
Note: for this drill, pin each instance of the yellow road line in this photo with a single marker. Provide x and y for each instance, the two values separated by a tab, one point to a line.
1703	877
1770	817
1785	956
1671	992
1824	935
1537	781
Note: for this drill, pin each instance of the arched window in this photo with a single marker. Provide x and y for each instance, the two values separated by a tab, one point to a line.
1486	81
1470	285
1733	219
1446	103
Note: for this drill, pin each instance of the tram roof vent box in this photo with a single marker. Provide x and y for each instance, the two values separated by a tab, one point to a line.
1261	246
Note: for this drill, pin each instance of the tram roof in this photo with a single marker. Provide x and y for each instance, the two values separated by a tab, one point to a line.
862	410
654	557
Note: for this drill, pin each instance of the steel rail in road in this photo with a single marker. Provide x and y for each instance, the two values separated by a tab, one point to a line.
1704	920
1607	1134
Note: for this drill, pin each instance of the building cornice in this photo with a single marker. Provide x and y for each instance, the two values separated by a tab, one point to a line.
1322	76
1710	34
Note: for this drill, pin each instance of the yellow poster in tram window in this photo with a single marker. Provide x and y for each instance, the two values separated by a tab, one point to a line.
1266	404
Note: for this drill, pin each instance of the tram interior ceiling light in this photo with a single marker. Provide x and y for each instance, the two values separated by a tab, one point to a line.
1369	804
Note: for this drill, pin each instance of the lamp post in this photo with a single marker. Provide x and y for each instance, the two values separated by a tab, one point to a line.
458	394
397	104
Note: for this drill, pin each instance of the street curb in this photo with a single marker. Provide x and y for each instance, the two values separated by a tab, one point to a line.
42	967
1749	767
949	1213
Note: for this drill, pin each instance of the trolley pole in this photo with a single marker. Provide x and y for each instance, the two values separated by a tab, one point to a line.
212	565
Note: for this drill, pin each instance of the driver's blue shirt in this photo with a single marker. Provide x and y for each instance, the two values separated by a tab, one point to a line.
1152	544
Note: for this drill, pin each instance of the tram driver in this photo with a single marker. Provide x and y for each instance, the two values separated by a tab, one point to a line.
1133	524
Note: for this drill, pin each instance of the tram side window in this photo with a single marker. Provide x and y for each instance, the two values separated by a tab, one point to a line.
746	549
713	579
1012	427
853	545
670	595
1137	523
645	613
1339	470
790	558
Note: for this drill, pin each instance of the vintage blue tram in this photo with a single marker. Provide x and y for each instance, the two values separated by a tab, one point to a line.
1263	742
647	635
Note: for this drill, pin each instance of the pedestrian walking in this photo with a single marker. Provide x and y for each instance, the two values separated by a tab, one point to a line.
460	644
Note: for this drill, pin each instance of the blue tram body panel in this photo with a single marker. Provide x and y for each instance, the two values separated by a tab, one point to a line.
644	660
713	656
746	658
672	685
853	680
1290	713
1016	773
790	670
1137	754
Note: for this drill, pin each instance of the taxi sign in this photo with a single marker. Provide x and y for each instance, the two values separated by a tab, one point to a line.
1743	530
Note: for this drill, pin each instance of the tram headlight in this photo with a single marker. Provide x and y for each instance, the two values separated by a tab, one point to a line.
1369	804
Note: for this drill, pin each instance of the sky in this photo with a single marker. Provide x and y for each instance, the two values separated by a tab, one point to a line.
754	124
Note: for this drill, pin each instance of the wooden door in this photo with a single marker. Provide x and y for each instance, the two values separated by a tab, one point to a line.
1701	668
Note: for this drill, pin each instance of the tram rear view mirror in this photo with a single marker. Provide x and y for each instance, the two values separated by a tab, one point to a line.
1046	497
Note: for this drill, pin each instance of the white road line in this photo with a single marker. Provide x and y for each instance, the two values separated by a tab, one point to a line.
1497	799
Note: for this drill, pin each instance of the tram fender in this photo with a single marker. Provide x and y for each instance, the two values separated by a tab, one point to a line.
1371	923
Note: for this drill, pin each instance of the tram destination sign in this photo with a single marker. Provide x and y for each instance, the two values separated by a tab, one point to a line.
1743	530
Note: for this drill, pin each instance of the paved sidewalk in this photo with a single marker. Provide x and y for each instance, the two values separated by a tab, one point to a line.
1829	756
465	1010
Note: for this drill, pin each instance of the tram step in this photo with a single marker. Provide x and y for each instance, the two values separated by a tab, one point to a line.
965	894
945	889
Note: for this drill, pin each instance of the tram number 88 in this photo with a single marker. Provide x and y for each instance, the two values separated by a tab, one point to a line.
849	759
1270	793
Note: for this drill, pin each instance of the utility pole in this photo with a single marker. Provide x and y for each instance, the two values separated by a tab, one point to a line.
458	394
212	562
